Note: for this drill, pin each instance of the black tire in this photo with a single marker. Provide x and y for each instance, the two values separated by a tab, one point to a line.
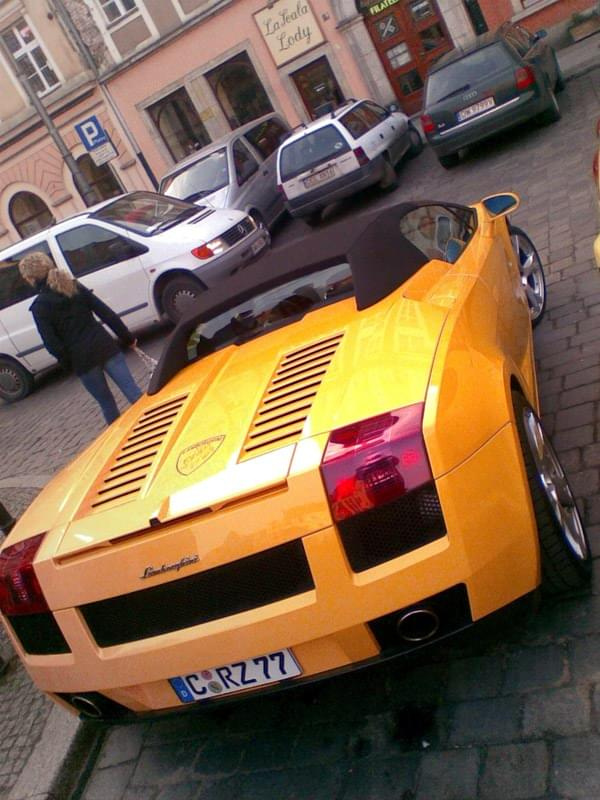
564	548
15	381
312	220
179	295
416	142
553	112
532	272
449	161
389	179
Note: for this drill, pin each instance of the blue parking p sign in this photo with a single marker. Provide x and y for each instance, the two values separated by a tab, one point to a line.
91	133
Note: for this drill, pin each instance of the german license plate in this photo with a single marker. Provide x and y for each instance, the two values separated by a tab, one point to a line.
236	677
319	177
475	109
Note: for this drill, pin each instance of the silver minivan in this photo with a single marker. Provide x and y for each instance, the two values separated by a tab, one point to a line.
237	171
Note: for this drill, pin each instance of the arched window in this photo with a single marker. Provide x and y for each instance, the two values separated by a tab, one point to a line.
101	179
29	214
239	91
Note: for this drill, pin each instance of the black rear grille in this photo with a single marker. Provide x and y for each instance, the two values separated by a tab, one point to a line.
238	231
390	530
39	634
250	582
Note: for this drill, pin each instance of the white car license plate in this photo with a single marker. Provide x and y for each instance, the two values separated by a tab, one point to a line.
319	177
236	677
257	246
476	108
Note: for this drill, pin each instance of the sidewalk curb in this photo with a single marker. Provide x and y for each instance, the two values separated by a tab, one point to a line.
59	760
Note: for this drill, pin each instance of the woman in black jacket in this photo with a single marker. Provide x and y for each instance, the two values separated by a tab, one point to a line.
64	314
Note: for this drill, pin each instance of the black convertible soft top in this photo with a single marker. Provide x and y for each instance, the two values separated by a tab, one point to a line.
380	258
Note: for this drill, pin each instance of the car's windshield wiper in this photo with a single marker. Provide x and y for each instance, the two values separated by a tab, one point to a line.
453	92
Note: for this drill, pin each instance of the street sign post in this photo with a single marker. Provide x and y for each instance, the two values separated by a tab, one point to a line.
96	140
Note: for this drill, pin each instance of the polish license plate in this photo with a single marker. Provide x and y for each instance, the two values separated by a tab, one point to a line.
236	677
319	177
475	109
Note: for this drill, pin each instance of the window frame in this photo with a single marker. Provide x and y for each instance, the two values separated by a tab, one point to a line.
25	290
139	249
26	51
119	5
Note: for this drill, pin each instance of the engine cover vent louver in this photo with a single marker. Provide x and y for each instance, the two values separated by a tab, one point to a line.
287	401
125	474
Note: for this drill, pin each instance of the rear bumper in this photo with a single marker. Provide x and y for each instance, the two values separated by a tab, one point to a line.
316	199
489	557
498	119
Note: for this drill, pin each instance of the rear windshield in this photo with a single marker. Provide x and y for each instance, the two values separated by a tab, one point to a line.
469	71
146	213
272	309
311	150
203	177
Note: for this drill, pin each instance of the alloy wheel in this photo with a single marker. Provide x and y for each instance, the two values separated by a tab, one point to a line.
532	273
555	486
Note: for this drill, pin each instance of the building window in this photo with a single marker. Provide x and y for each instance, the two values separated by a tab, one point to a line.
318	87
29	214
398	55
239	91
387	27
178	123
431	37
420	9
100	178
30	57
410	82
115	9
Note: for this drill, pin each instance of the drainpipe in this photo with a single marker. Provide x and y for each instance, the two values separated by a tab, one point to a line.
66	20
85	190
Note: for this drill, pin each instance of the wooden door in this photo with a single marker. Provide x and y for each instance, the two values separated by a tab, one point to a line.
409	36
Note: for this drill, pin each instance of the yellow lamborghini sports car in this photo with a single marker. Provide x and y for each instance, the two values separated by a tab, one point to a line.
338	460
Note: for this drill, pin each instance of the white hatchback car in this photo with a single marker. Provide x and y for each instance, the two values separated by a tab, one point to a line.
146	255
357	145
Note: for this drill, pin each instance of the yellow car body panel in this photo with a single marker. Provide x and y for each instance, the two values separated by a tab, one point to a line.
454	337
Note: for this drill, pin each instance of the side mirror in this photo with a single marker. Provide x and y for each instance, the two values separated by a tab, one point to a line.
498	205
391	108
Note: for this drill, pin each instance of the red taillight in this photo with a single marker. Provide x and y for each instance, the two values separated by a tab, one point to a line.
280	189
375	461
20	592
203	252
427	124
524	78
596	165
361	156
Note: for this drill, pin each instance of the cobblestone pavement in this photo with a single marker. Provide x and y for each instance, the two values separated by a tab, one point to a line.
510	712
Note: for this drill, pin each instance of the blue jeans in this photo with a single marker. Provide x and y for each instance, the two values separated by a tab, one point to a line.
95	382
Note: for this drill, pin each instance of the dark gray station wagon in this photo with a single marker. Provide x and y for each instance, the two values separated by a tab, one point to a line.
499	80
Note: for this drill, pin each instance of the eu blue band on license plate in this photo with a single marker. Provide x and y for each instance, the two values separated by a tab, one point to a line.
236	677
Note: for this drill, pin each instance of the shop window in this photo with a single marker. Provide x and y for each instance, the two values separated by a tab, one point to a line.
410	82
29	214
387	27
420	9
115	9
319	90
100	178
239	91
178	123
431	37
29	57
398	55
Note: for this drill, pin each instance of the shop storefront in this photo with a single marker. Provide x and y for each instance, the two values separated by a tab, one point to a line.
408	36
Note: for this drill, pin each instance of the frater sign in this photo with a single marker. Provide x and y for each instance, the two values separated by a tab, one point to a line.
377	8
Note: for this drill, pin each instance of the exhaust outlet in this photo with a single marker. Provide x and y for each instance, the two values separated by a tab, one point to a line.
417	625
86	706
